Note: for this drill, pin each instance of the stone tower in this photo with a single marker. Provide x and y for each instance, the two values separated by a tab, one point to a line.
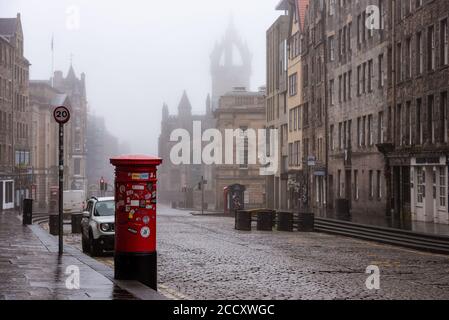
230	65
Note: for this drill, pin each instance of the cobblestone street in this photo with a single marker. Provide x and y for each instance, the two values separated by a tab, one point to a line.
205	258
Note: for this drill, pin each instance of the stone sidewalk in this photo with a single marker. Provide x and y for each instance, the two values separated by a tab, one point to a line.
30	268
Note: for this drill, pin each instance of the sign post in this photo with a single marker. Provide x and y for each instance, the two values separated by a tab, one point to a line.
62	116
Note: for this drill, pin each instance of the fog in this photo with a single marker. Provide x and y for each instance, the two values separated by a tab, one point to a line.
138	54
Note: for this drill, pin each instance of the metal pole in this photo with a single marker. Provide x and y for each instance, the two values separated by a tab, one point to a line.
202	195
61	186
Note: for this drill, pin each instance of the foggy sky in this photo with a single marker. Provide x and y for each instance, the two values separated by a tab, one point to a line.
138	54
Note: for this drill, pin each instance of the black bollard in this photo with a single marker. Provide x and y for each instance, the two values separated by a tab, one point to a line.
27	211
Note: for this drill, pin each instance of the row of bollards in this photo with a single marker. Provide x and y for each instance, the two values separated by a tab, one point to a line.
75	223
53	221
267	219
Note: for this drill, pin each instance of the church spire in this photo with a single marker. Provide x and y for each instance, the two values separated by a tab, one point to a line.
165	112
184	107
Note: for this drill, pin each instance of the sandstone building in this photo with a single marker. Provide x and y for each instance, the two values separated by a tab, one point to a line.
15	123
240	109
373	115
276	106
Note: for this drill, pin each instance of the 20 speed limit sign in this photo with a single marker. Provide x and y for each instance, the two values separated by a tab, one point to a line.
61	115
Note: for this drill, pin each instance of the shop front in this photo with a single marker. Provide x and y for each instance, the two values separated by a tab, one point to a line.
429	189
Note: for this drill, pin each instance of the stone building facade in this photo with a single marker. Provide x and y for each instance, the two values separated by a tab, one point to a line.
75	88
357	62
240	109
297	179
178	183
15	123
276	106
417	148
44	141
375	81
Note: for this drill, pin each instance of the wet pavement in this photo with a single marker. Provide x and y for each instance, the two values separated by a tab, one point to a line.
30	268
203	257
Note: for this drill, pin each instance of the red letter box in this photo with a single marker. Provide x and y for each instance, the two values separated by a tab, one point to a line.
135	254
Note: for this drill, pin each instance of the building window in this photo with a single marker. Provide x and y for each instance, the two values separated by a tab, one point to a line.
371	184
381	71
359	74
293	84
290	154
443	117
379	184
331	92
295	120
408	70
9	187
380	129
356	185
431	48
77	167
399	75
419	127
340	136
421	184
339	193
419	54
331	137
444	43
332	48
370	130
370	75
408	123
430	120
442	187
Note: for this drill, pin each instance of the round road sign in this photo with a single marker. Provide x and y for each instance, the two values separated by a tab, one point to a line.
61	114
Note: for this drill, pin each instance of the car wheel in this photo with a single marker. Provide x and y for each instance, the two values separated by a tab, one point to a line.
94	248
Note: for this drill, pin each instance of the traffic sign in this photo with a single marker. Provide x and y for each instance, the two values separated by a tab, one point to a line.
61	115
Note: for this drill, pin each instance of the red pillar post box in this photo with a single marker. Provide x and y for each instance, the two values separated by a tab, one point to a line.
135	254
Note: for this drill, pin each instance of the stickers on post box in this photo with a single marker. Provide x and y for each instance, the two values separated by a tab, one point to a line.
133	231
140	176
135	203
122	189
146	219
131	214
145	232
138	187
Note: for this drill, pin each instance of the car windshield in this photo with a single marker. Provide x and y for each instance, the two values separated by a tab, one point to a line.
105	208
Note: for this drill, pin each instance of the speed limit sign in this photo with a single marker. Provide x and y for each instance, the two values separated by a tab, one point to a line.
61	115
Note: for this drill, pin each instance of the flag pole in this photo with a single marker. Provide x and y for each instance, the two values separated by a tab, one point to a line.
52	61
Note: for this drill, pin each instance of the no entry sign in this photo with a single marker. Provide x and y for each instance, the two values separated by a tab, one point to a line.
61	115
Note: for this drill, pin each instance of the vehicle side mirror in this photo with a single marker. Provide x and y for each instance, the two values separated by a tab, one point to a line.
86	214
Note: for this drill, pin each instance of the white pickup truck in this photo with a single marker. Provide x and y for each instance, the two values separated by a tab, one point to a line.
74	201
